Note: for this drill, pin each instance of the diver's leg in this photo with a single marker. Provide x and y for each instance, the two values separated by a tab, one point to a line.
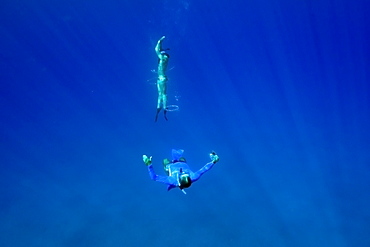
160	90
158	107
164	105
159	101
164	101
164	97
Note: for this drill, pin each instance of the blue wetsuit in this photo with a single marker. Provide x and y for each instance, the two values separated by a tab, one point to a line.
175	169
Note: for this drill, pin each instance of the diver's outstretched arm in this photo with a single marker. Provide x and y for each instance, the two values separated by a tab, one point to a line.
158	47
202	170
214	159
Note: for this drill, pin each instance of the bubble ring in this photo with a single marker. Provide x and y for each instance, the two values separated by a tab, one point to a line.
172	108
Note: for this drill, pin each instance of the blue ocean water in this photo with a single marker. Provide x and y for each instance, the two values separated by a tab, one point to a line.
279	89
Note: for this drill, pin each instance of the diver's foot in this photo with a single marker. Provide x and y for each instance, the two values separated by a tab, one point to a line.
156	115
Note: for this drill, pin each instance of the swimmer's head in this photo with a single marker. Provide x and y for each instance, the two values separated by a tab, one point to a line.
164	53
184	181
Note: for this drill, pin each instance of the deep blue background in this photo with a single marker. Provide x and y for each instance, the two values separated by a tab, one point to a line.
280	89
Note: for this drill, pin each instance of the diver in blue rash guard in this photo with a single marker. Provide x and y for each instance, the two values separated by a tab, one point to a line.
178	172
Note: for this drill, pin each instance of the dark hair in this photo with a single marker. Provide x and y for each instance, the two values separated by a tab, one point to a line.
185	182
163	52
182	159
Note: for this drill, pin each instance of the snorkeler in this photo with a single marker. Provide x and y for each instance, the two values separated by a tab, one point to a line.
178	172
162	79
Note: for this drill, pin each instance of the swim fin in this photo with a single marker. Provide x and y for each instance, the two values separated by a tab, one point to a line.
156	115
165	117
177	154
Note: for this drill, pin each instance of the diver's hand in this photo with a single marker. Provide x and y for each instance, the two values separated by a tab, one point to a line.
147	160
214	157
163	37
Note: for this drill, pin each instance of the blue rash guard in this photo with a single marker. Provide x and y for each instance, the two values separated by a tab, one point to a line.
172	179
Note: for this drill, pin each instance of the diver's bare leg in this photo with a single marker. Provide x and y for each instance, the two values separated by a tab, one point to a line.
164	104
159	101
